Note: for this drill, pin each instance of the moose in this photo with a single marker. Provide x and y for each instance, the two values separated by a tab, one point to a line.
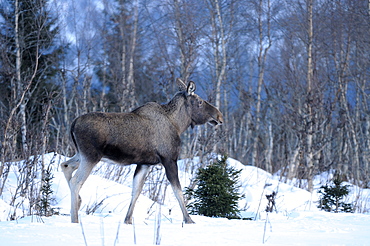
147	136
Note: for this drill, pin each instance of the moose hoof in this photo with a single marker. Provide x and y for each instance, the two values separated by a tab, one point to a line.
74	220
128	221
189	221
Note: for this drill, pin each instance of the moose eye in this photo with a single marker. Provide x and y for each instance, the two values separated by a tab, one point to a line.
200	103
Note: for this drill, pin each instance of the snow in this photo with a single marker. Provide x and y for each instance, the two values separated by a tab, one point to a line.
296	222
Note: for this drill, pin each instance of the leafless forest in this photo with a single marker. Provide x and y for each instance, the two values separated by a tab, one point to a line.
292	77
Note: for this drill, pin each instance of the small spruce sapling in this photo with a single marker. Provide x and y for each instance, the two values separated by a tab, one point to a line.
332	196
46	192
216	194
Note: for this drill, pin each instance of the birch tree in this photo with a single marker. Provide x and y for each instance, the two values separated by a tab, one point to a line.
218	40
309	113
29	43
120	44
187	36
264	45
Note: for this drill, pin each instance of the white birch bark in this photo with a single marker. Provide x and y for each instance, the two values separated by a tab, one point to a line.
123	65
130	77
18	64
309	124
270	147
262	55
221	60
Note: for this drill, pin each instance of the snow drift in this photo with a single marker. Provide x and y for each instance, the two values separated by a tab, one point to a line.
297	220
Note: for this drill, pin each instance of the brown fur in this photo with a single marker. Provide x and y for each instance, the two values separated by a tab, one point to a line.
146	136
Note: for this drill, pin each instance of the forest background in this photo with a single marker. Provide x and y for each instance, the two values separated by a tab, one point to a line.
292	78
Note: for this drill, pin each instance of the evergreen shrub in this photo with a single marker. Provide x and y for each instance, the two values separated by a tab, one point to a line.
332	196
216	194
46	195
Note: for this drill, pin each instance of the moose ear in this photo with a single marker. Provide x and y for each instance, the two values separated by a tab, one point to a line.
191	88
182	86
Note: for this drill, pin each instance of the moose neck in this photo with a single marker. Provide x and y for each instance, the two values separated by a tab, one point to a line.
179	112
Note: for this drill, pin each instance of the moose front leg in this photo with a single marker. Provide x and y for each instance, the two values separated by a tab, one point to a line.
173	177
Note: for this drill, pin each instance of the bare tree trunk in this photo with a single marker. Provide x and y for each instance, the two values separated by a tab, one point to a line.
342	61
352	134
293	162
19	97
125	91
130	78
219	45
221	61
85	96
65	104
185	59
44	136
128	46
262	54
309	118
269	148
102	101
367	149
18	64
219	41
22	111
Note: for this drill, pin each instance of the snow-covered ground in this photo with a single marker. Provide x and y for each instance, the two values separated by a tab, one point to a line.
296	222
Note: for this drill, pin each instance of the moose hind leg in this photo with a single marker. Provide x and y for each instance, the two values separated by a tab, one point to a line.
173	177
75	185
137	186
